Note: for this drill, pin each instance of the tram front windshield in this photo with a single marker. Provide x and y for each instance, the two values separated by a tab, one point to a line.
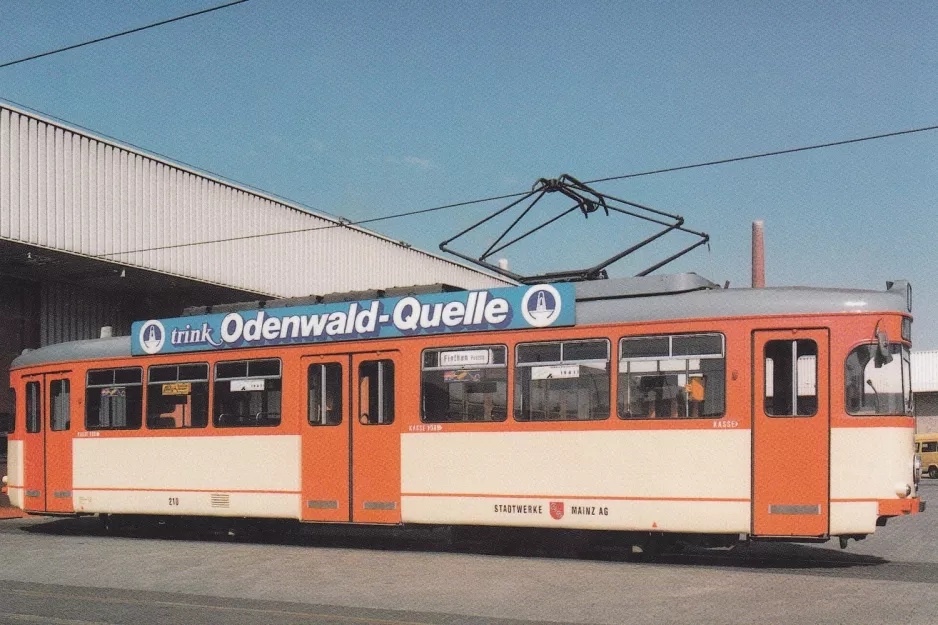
877	387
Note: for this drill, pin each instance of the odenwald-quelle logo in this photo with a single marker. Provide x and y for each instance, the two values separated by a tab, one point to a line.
152	336
540	306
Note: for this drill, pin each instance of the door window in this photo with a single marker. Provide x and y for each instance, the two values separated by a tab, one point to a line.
790	378
324	398
60	416
33	407
376	392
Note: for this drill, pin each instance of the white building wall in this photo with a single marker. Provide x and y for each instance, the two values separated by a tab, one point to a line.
925	371
925	389
61	188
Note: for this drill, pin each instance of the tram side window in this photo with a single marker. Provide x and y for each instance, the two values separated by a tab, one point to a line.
177	396
60	416
324	399
376	392
562	381
464	384
680	376
877	387
790	378
114	399
33	407
247	393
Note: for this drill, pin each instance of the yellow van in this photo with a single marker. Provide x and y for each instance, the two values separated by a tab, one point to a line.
927	446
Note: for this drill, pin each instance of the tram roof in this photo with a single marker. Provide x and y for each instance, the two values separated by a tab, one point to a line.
623	300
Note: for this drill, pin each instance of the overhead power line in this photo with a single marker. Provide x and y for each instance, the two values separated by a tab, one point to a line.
121	34
344	223
765	154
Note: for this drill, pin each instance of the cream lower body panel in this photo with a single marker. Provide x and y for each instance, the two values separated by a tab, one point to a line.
710	517
169	502
871	463
868	465
655	480
15	493
853	517
15	473
245	475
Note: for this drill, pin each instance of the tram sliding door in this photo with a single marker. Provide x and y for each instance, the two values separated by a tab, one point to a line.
790	433
325	439
376	439
350	443
34	444
58	402
47	443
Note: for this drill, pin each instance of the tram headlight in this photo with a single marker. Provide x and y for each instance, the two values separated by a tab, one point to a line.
916	468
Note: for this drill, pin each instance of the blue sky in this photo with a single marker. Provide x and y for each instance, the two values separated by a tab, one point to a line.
362	109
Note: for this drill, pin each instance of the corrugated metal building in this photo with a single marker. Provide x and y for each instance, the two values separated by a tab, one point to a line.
925	389
94	233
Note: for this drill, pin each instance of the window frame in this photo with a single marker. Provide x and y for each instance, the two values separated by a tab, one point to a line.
216	379
908	399
438	367
177	380
517	393
659	372
114	384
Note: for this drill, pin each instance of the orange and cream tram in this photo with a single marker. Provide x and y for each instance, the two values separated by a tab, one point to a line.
652	406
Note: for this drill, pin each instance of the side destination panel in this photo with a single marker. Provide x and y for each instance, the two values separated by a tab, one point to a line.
221	476
664	480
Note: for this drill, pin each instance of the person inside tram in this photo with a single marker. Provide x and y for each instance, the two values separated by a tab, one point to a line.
660	396
694	389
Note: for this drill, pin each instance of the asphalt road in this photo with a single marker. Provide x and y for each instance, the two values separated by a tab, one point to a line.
69	571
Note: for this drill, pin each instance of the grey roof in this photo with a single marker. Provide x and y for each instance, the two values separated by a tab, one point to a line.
114	347
707	302
682	296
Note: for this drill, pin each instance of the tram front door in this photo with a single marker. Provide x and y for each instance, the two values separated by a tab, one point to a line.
790	433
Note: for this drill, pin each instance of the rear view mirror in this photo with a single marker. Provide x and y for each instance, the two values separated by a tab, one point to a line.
883	355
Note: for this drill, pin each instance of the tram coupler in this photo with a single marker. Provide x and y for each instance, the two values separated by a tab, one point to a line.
845	539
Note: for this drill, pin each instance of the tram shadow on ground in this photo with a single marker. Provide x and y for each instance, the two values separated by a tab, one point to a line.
495	541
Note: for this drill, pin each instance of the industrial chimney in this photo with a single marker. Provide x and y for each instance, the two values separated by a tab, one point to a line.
758	254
